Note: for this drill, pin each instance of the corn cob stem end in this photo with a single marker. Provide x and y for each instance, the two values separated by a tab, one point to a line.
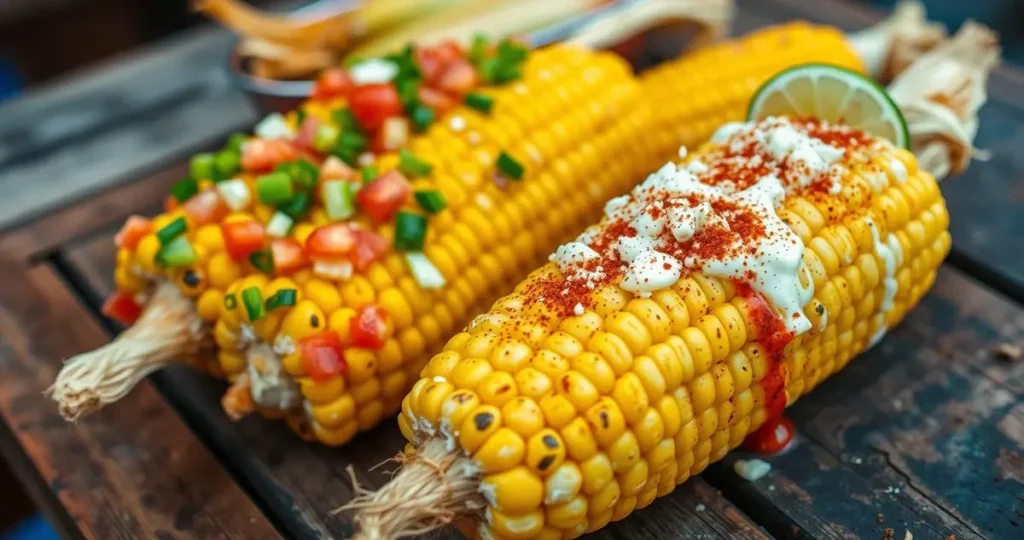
436	486
168	330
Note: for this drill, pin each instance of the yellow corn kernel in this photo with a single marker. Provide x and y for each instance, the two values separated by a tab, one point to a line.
322	293
567	516
303	320
514	491
630	396
545	452
532	383
523	415
520	526
497	388
558	411
340	321
632	481
563	484
458	405
478	426
577	389
362	365
597	473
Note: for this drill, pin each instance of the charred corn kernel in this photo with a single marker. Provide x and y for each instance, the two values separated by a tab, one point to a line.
478	426
458	405
606	421
501	451
545	452
431	398
514	491
523	415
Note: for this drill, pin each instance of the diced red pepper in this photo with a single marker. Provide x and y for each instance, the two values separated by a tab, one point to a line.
383	197
432	61
332	242
370	247
371	104
332	83
437	100
242	238
307	131
322	355
459	78
262	155
392	135
336	169
123	308
288	256
132	232
170	203
368	327
206	207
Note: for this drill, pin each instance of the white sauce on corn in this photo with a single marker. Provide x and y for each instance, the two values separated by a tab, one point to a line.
889	264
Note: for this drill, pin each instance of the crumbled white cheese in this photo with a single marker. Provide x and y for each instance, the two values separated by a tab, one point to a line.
630	247
457	123
274	126
697	167
726	131
752	470
578	309
614	205
686	221
573	253
682	152
373	71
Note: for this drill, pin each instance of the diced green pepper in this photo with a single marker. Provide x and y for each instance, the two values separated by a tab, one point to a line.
422	116
177	253
511	52
184	189
262	260
305	174
480	102
171	231
509	167
282	298
203	166
274	188
227	163
350	144
252	299
411	165
369	173
431	200
410	231
478	48
236	141
298	206
326	137
408	92
346	120
339	199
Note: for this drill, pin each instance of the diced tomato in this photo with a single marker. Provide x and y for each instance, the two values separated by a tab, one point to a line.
307	131
170	203
206	207
370	247
241	238
123	308
262	155
432	61
332	83
459	78
322	355
132	232
437	100
331	242
288	256
371	104
383	197
336	169
392	135
368	327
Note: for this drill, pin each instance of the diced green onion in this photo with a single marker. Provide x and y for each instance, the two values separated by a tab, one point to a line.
410	231
480	102
306	174
236	141
478	48
422	116
203	166
408	92
427	275
326	137
511	52
282	298
228	162
506	73
274	188
346	120
280	225
339	199
298	206
171	231
262	260
300	116
509	167
184	189
177	253
431	200
410	165
406	62
488	69
350	144
253	302
370	173
230	301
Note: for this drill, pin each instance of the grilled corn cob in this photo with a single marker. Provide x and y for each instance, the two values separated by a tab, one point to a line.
706	301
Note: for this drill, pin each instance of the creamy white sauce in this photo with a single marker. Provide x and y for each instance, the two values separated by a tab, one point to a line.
373	71
889	265
651	271
573	253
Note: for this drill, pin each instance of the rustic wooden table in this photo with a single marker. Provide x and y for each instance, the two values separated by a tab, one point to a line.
924	433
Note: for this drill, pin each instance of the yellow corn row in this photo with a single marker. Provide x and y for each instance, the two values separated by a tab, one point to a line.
572	120
698	92
577	421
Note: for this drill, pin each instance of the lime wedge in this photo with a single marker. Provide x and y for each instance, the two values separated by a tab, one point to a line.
834	94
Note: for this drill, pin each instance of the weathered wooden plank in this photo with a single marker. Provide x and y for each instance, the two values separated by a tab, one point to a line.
304	482
984	203
921	433
133	473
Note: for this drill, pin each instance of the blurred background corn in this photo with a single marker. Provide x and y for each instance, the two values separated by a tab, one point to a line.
577	421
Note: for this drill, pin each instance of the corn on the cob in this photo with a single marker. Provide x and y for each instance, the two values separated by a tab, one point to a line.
614	372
